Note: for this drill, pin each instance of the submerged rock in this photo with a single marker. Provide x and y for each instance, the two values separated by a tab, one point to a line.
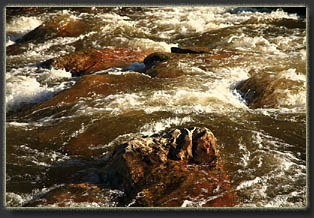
92	60
77	195
170	168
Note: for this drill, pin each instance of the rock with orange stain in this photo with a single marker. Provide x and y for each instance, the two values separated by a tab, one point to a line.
88	61
77	195
170	169
88	86
65	104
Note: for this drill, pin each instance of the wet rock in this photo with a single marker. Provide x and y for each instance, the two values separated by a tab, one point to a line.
289	23
88	86
155	58
169	65
64	132
190	50
77	195
268	90
170	168
61	26
92	60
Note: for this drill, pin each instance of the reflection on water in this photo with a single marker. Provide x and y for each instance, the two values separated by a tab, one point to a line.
262	145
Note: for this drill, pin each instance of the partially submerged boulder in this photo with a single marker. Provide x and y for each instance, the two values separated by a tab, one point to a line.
88	86
168	65
176	168
60	26
88	61
268	90
170	169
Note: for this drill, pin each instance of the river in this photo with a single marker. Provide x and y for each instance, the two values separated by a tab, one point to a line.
263	147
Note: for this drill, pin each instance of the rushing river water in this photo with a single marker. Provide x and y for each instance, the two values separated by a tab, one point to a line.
263	148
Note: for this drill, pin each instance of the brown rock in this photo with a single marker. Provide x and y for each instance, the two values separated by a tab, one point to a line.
60	26
93	60
178	182
87	86
266	90
89	142
169	169
167	65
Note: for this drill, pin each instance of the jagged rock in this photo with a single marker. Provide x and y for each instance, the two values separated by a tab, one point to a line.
168	169
93	60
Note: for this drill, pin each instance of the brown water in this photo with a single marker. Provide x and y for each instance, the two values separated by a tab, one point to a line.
263	148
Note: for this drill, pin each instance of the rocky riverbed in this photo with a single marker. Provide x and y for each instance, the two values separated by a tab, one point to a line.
156	107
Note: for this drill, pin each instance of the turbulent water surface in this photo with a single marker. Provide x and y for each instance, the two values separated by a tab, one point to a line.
263	148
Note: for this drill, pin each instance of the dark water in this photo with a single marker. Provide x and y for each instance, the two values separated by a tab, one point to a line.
263	148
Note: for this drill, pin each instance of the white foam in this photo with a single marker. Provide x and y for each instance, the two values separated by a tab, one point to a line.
257	43
291	74
54	74
22	89
215	95
17	200
23	24
156	127
25	90
148	44
248	183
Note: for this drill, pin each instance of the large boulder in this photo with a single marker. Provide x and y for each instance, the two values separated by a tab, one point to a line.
87	86
169	170
176	168
92	60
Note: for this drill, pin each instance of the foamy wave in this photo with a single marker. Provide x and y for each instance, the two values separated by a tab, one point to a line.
23	90
257	43
17	200
23	24
146	44
156	127
291	74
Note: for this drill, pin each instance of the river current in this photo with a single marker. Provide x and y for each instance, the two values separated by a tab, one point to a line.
263	148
